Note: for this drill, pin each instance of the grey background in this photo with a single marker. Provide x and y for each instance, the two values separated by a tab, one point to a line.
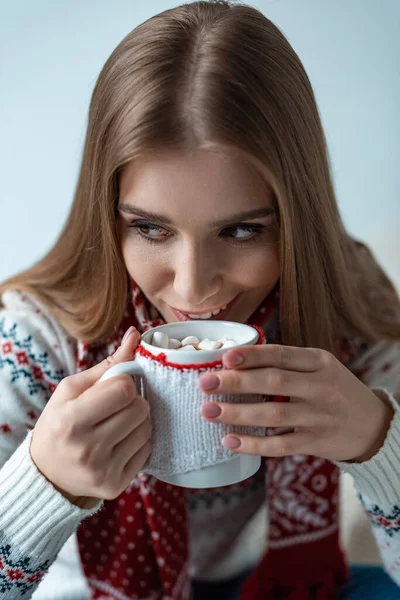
51	54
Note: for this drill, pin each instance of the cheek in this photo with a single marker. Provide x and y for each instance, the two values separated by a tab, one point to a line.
145	265
258	270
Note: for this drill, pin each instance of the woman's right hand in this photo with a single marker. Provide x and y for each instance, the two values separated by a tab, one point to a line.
92	438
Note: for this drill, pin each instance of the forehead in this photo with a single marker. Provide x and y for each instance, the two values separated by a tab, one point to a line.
198	185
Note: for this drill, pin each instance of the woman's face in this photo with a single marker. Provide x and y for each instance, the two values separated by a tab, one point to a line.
198	232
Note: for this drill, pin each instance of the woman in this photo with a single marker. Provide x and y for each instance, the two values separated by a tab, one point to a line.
204	186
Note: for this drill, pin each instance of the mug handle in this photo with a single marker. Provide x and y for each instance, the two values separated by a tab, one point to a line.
129	367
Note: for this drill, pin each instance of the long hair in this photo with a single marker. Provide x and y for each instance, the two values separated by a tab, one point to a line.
210	75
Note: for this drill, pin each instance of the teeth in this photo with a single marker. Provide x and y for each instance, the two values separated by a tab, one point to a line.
216	312
207	315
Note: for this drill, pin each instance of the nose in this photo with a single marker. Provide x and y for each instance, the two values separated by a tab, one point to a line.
197	276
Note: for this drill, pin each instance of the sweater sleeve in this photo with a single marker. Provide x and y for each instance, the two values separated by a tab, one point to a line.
377	481
35	519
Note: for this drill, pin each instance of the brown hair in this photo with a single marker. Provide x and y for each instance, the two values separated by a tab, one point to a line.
211	75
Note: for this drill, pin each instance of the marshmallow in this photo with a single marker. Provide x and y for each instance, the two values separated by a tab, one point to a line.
191	342
229	344
187	347
160	339
190	339
174	344
207	344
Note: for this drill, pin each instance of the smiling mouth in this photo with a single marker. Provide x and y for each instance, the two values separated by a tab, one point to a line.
217	314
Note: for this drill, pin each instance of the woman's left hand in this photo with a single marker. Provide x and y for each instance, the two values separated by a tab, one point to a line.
333	414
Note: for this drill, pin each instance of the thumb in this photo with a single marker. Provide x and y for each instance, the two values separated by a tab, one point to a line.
125	352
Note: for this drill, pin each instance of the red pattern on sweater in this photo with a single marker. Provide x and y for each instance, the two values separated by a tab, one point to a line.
145	553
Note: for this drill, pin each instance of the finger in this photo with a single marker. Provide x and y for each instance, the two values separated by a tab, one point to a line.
100	402
128	447
280	445
80	382
279	356
270	414
267	381
119	426
135	463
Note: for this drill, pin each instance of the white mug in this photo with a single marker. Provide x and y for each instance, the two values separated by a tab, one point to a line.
187	450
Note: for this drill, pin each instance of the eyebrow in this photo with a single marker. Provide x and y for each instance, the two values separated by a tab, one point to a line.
236	218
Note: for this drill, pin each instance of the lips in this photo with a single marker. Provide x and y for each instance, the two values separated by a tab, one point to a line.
221	316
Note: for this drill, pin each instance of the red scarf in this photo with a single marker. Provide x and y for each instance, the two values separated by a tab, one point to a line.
136	546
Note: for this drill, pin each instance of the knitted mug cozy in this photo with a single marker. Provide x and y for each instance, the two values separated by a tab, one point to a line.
182	440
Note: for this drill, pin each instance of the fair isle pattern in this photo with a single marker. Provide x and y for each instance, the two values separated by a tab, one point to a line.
389	521
302	500
385	536
149	519
199	498
18	576
217	516
146	527
19	358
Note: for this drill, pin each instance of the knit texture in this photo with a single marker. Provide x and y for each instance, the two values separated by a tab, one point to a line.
158	537
302	498
183	441
142	535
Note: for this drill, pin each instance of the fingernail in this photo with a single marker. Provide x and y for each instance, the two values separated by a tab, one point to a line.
209	381
127	334
210	410
231	442
233	359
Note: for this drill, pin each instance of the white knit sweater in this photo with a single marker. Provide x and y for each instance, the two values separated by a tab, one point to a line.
38	525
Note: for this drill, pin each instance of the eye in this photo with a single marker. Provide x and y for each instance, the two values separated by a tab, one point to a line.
240	234
150	231
243	233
